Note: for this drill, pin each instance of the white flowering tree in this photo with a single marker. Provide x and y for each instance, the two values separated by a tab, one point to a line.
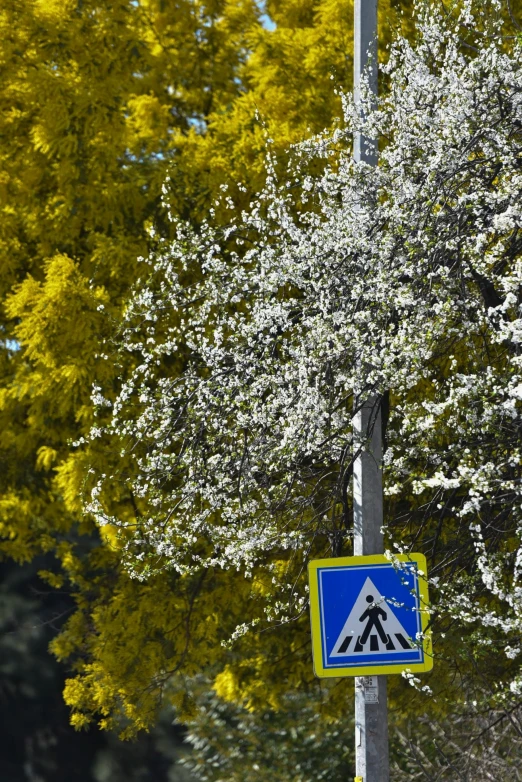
232	433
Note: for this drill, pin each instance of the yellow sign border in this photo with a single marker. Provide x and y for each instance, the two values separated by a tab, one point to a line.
364	670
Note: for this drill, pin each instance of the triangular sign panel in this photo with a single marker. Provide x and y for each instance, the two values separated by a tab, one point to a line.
371	627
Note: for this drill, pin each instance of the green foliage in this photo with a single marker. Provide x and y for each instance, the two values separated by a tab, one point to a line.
298	742
38	744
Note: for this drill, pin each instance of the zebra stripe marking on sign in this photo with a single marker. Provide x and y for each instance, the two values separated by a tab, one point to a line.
371	627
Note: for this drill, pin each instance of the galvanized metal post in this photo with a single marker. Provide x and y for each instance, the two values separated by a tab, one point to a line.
365	56
371	707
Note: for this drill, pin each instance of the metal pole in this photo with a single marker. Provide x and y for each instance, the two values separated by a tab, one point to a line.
371	707
364	56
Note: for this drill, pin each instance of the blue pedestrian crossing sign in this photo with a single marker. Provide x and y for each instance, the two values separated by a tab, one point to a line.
370	615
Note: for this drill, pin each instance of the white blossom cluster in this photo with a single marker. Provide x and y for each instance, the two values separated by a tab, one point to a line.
235	424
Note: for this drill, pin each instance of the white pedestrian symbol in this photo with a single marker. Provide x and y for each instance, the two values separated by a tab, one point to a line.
371	627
